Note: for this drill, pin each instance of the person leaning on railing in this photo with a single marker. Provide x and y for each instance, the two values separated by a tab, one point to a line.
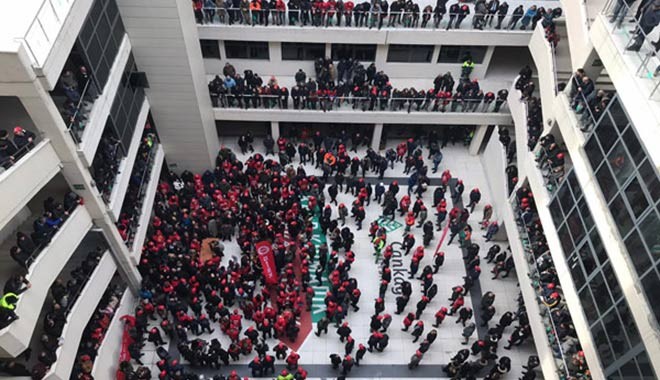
12	151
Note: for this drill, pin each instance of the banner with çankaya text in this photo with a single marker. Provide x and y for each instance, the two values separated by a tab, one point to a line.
267	259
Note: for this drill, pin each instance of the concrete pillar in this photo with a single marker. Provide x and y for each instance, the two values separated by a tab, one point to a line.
375	139
178	92
275	130
477	139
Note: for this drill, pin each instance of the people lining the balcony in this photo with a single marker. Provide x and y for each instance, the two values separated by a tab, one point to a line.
12	149
28	246
131	209
105	166
374	14
63	296
351	85
94	333
587	101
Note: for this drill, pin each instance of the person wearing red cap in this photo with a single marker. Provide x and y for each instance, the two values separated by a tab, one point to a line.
359	354
256	367
415	360
418	330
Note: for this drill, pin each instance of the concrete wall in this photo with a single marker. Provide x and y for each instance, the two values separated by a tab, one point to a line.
166	47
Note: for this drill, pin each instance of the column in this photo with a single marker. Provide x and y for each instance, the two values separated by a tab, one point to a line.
275	130
477	139
375	139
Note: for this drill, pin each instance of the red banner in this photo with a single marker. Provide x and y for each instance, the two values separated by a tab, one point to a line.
265	253
126	341
442	238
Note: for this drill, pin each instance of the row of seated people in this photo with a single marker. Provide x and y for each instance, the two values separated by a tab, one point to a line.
351	85
132	206
79	92
375	14
561	331
95	332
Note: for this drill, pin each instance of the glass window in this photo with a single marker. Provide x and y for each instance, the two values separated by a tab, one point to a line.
597	245
618	114
620	162
588	305
606	135
594	154
210	48
555	211
650	178
356	51
621	215
615	333
602	345
628	323
295	51
636	198
637	253
629	370
645	365
458	54
565	238
651	285
586	214
606	182
410	53
599	291
612	281
246	50
576	272
634	148
575	185
587	259
576	227
650	230
566	199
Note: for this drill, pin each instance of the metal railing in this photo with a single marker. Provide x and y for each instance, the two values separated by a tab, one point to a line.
77	117
546	314
45	27
553	176
391	104
637	40
10	161
105	185
362	19
588	107
141	192
49	237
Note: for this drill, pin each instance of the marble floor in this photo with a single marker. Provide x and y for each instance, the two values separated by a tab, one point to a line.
392	362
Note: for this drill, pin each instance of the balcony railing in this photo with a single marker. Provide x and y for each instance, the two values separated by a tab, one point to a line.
562	358
44	29
347	103
76	114
636	34
365	19
143	176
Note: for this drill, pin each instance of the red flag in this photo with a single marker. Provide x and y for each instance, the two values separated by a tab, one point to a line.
265	253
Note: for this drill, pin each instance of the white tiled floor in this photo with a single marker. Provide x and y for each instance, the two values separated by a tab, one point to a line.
316	350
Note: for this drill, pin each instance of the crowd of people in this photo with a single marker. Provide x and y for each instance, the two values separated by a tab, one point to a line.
13	147
79	92
131	209
63	296
491	14
105	166
587	101
186	293
29	246
95	331
350	84
561	332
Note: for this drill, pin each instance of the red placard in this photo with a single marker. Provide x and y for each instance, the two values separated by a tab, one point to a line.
265	253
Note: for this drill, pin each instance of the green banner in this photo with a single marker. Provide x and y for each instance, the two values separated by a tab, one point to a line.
318	238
